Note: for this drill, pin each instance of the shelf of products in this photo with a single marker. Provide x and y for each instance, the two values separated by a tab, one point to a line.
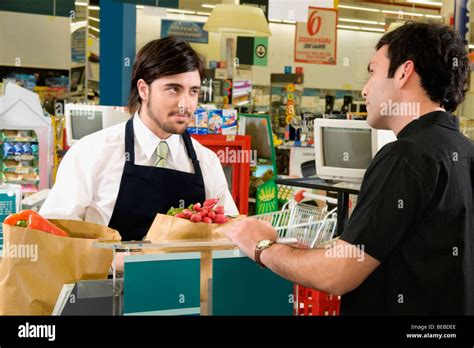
19	159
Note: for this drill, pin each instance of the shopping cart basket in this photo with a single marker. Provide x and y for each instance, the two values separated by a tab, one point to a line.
310	226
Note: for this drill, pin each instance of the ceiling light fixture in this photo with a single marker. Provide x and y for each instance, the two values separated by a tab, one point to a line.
379	30
348	27
359	21
181	11
238	20
359	8
421	2
413	14
94	8
208	6
91	27
94	19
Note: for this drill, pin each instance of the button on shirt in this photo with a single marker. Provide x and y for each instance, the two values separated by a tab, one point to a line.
415	215
88	179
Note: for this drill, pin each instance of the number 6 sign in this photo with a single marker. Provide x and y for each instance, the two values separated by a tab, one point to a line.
316	40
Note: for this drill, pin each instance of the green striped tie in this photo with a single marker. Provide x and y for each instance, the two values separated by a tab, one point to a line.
161	154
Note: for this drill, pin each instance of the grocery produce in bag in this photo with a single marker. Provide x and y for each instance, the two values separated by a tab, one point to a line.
33	220
208	212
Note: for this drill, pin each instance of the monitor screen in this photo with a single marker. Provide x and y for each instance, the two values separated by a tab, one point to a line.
85	122
260	139
347	147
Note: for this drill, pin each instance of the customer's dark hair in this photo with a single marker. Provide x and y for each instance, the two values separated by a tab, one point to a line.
162	57
439	56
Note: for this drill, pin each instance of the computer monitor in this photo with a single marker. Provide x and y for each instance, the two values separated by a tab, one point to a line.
83	119
345	148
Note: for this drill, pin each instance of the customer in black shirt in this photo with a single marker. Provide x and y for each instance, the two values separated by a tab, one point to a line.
408	247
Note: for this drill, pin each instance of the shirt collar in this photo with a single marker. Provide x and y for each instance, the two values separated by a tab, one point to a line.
440	118
148	141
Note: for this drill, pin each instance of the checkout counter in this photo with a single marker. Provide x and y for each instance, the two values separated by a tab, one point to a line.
207	282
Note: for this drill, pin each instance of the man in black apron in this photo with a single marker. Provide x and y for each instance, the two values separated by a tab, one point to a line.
146	190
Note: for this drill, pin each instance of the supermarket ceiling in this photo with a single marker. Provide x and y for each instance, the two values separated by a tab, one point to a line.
368	15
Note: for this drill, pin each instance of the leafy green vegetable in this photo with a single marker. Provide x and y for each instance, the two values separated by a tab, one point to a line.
173	211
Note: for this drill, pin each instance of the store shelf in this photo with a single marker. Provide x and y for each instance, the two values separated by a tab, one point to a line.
19	140
21	157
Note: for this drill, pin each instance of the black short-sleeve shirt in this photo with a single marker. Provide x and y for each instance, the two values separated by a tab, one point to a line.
415	215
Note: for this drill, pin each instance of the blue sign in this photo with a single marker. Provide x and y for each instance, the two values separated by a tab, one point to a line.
189	31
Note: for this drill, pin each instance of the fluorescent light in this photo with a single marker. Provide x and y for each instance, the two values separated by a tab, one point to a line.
94	19
433	16
380	30
94	8
348	27
93	28
208	6
78	3
471	46
79	23
421	2
140	7
359	8
403	13
352	27
203	13
181	11
358	21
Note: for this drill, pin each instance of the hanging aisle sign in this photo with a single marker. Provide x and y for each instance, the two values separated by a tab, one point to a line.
189	31
316	40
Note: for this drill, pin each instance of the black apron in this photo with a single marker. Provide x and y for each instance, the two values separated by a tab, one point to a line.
145	191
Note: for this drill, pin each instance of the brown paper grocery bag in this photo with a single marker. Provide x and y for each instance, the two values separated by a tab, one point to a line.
31	285
166	228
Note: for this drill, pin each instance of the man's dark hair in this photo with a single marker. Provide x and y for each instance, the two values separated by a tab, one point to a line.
162	57
439	56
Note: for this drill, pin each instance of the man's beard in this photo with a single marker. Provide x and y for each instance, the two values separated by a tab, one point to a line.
168	127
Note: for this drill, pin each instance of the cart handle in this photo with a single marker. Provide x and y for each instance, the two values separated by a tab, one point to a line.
300	195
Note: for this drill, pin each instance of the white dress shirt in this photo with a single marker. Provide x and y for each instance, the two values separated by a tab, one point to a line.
88	178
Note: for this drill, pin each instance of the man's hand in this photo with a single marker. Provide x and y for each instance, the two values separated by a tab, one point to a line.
247	232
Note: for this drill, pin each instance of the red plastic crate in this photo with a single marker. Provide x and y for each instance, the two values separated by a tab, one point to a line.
315	303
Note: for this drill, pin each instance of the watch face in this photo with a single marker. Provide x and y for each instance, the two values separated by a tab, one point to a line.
263	243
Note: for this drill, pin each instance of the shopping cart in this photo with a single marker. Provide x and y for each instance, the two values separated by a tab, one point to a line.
310	227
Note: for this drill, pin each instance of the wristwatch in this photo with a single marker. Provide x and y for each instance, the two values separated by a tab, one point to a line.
262	245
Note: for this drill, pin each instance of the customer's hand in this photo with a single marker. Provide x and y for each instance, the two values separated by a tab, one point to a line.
247	232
